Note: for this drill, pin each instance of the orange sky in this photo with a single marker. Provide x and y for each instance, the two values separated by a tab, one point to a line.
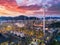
10	8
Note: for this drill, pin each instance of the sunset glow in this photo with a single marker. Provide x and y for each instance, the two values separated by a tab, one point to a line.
27	7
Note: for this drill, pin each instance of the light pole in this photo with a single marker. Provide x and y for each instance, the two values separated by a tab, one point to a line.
44	21
45	7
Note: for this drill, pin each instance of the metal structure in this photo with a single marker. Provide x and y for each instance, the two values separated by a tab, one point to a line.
45	7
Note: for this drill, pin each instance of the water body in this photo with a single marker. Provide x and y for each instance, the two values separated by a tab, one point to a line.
58	38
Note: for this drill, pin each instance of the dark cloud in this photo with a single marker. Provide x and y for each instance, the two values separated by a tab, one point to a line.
55	7
31	7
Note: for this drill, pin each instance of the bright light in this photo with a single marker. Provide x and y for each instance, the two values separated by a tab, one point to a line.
46	28
19	24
